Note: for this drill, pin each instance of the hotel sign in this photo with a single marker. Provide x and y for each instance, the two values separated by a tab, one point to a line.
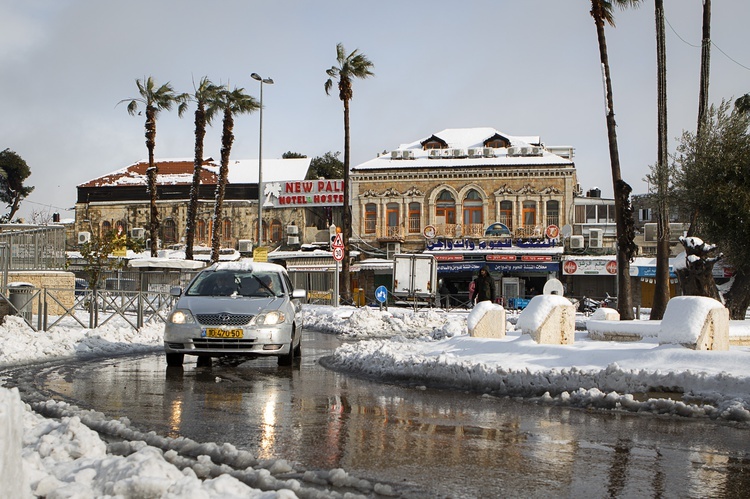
305	193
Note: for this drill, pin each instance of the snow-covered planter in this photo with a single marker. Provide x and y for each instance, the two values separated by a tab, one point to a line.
617	330
696	322
486	320
549	319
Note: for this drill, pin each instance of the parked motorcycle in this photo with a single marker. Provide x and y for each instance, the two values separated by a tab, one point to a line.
588	305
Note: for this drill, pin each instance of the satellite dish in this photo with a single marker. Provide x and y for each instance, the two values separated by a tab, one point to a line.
566	230
553	287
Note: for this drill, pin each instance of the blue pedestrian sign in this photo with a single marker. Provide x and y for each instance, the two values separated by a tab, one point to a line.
381	294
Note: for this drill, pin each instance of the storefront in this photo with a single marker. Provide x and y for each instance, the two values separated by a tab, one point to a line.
519	271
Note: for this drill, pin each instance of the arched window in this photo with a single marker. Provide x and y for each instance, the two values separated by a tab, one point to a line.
506	214
415	217
529	213
445	208
371	218
200	231
265	230
226	229
276	231
392	214
553	212
106	227
473	208
169	232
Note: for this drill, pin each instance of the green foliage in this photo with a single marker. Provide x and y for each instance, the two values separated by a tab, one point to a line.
292	155
712	176
13	172
98	254
327	166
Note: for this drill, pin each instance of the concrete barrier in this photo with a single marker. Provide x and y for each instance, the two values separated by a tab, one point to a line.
695	322
490	325
549	319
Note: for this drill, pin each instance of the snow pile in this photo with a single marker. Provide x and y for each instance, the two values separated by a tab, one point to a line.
367	322
684	318
22	345
537	311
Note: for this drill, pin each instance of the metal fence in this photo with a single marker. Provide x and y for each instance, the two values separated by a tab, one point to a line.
39	247
131	298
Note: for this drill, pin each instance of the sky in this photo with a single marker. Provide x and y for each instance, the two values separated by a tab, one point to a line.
524	68
63	453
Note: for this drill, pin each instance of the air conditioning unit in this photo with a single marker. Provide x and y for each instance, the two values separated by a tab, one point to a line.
290	240
488	152
408	154
292	230
473	152
514	151
596	238
245	246
536	151
459	153
137	233
84	237
577	242
393	249
435	154
526	151
395	154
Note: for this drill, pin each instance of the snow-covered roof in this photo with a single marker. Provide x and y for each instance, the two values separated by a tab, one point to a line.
179	171
466	148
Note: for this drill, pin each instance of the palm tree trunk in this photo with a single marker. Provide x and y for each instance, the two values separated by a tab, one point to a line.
661	293
621	189
345	284
703	93
227	138
151	174
200	134
705	66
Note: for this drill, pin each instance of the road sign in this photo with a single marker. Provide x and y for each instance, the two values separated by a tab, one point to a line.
381	294
338	253
338	241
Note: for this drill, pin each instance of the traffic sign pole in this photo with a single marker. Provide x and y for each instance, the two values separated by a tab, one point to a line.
336	286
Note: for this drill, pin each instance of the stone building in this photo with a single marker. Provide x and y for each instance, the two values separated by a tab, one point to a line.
121	199
461	182
473	197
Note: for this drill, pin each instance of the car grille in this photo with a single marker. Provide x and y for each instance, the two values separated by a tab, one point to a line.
224	319
222	344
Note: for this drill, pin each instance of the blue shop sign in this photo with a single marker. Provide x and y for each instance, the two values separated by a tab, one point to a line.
455	267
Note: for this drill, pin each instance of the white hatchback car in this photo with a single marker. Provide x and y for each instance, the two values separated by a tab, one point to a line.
236	308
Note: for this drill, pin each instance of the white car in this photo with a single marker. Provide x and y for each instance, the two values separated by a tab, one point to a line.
236	308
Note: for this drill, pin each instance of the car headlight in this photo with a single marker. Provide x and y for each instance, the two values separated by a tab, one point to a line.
181	317
269	318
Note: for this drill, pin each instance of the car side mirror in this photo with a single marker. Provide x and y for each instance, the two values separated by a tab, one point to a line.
299	294
175	291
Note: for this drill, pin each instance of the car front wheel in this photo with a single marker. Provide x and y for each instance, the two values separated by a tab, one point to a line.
288	359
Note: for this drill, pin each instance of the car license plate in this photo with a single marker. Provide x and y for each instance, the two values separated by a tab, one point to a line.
223	333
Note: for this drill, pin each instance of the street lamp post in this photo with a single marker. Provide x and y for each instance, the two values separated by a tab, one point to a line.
256	76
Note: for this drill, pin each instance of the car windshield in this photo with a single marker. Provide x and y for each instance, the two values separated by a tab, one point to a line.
236	283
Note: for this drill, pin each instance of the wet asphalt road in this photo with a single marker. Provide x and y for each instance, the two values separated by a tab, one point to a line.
425	442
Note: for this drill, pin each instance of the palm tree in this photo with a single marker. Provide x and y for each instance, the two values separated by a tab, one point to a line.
661	292
231	102
206	97
354	65
155	99
601	11
703	92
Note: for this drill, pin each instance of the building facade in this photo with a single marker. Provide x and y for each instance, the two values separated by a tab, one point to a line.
121	199
473	197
